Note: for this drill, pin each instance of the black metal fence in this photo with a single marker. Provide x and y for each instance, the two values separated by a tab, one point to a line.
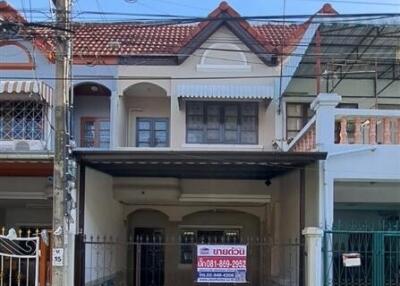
161	261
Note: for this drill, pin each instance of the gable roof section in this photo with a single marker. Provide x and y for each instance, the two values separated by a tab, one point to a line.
263	40
11	15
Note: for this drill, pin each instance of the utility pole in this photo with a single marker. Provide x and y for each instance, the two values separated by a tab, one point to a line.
60	215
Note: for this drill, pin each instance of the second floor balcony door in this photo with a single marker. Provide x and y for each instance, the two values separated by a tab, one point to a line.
152	132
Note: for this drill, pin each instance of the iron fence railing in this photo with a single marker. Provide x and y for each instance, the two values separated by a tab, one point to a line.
157	260
19	259
362	258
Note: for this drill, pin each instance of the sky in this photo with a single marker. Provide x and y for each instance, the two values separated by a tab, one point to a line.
203	7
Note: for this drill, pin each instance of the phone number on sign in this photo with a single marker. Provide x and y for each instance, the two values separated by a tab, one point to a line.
220	263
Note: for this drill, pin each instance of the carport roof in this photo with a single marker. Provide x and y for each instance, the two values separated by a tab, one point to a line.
196	164
359	50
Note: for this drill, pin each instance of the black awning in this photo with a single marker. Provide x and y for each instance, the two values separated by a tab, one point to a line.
196	164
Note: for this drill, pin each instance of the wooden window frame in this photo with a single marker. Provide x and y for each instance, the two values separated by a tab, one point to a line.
221	127
304	116
97	130
152	131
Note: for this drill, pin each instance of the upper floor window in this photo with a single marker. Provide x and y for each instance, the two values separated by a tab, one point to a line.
95	132
297	116
21	120
15	56
221	123
152	132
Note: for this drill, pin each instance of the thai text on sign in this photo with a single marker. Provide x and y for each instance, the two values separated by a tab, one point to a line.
221	263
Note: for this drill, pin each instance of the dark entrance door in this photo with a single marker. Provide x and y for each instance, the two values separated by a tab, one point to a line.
149	257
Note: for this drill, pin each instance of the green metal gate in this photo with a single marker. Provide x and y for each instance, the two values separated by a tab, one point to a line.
361	258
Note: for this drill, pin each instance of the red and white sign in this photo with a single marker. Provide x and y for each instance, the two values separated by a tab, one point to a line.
221	263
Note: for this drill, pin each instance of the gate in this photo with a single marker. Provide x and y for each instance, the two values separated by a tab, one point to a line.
155	259
362	258
19	260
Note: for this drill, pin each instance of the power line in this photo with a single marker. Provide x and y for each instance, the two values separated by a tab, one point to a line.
123	78
392	4
155	16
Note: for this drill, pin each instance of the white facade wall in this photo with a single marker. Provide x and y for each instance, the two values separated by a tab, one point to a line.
103	220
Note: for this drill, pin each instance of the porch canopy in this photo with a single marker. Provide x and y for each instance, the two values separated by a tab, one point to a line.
25	89
26	164
232	92
196	164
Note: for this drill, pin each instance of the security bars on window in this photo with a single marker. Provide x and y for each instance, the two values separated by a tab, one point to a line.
21	120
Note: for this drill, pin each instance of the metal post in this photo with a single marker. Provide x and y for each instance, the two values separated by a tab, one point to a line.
318	63
378	266
60	239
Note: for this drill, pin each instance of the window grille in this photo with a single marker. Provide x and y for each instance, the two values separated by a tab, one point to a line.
21	120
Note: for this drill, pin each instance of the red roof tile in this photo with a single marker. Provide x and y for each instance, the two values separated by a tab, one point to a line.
130	39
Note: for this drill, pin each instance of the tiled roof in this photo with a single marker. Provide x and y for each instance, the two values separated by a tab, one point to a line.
130	39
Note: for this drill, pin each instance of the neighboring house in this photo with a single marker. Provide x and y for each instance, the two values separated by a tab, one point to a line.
357	122
25	130
185	134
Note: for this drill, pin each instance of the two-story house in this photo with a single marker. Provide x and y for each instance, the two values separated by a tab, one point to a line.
192	154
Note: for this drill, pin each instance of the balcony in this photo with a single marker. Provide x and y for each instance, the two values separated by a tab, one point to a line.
330	128
361	143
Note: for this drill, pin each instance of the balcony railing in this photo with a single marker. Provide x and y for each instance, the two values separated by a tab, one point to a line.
339	126
305	140
367	126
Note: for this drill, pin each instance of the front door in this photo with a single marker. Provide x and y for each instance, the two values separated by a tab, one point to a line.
149	257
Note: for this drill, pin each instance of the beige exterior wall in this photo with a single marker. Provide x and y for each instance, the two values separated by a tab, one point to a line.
271	217
198	68
312	196
177	273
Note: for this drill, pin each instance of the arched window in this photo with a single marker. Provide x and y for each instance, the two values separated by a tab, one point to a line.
224	56
15	56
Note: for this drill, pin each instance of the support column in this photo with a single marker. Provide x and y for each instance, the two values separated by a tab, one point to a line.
114	120
314	265
324	107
